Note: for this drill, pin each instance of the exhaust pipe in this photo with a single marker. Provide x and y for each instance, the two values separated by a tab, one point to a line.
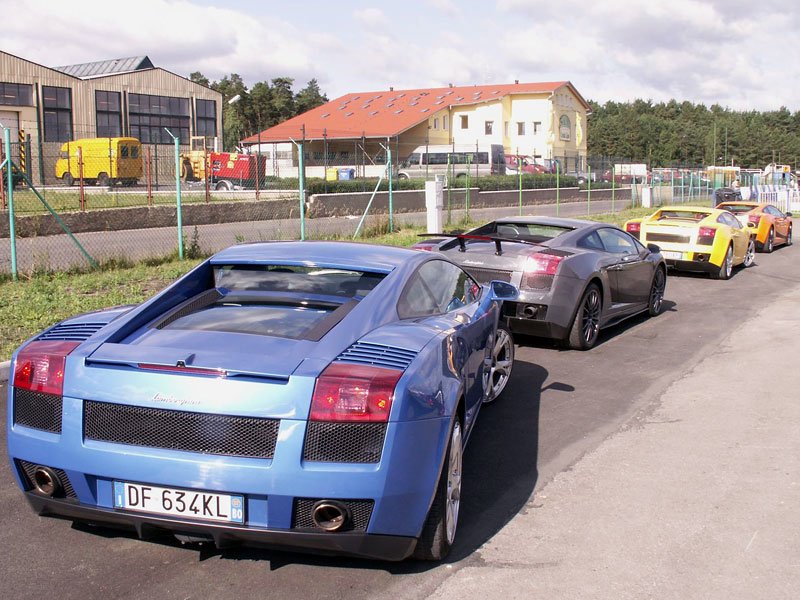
46	481
530	311
330	515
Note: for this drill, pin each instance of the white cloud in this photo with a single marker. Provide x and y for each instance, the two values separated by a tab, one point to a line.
371	17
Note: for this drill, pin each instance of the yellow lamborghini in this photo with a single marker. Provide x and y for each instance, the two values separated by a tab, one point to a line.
696	238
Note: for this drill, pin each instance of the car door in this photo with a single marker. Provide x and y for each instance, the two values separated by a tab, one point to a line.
780	220
740	236
630	273
447	294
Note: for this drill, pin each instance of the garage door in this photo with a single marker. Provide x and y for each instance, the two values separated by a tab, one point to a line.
9	119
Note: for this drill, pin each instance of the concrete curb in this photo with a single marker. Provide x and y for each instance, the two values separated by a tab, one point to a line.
4	368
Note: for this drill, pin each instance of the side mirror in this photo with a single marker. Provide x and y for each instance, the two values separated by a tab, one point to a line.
788	214
502	290
654	248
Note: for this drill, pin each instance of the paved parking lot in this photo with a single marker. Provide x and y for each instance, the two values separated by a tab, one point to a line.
654	465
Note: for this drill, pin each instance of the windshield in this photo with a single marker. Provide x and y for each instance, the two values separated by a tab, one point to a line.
685	215
737	208
537	232
298	279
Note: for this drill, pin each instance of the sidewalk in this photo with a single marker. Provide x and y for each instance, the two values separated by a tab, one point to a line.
698	499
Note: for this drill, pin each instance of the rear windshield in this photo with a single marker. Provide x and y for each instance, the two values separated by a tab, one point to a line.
297	279
537	232
736	208
684	215
275	300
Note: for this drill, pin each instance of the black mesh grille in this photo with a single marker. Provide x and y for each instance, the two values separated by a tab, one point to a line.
360	512
180	430
487	275
26	470
538	281
344	442
668	237
37	410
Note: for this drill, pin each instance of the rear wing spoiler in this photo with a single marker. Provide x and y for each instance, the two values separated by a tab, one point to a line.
497	239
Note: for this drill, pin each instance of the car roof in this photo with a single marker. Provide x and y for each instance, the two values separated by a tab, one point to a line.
542	220
352	255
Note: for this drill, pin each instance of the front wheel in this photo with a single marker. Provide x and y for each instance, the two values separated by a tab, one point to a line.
657	289
496	377
586	325
726	268
68	179
789	237
750	256
439	530
103	180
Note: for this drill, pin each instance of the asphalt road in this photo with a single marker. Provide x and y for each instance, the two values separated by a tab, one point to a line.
559	406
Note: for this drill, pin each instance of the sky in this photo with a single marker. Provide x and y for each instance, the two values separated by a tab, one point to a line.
739	54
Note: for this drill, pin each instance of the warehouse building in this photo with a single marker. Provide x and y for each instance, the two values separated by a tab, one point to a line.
47	106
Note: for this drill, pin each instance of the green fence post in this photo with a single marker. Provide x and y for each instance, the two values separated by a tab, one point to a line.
12	234
588	190
301	184
558	190
519	171
613	187
466	202
178	198
389	175
449	182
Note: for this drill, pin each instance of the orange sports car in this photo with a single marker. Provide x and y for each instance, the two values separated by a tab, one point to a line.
772	227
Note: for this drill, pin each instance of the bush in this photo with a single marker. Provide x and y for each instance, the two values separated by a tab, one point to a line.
492	183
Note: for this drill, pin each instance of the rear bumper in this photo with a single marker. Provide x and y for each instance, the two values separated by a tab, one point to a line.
357	544
693	265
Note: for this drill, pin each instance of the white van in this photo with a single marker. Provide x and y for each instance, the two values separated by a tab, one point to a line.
453	161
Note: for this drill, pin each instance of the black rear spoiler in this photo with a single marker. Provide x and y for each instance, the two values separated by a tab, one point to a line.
497	239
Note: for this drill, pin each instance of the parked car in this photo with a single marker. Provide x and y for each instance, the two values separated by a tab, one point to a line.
314	396
574	277
772	226
513	162
696	238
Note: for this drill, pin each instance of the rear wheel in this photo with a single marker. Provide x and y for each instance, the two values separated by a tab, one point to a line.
102	179
586	325
439	530
496	379
224	185
750	256
769	245
657	290
68	179
789	237
726	268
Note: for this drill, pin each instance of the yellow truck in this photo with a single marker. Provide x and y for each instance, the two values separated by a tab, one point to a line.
105	161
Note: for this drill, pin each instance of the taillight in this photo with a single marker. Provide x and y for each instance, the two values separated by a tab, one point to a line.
754	219
540	269
346	392
634	228
428	246
40	366
705	236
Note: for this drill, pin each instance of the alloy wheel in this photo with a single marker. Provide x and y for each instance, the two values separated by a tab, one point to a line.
502	360
590	316
453	483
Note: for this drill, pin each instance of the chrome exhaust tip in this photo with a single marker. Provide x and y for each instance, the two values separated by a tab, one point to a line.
530	311
330	515
46	482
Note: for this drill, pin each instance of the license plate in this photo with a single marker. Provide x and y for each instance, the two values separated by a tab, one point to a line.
672	255
190	504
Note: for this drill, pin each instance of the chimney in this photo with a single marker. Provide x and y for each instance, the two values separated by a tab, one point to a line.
450	84
516	82
391	88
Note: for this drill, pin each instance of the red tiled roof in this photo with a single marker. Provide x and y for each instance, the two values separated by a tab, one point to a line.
389	113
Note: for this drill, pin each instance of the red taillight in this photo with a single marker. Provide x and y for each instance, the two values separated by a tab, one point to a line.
40	366
346	392
635	227
705	236
754	219
542	264
428	246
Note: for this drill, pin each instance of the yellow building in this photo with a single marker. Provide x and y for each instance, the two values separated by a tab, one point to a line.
541	120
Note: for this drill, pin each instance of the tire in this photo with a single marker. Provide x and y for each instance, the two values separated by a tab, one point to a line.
502	362
789	237
769	245
750	255
186	172
402	176
68	179
224	185
726	268
102	179
439	531
585	327
656	301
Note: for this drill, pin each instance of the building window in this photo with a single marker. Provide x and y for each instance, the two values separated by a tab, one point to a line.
464	121
564	128
109	113
207	118
150	115
487	127
436	122
57	104
16	94
520	128
537	125
444	122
